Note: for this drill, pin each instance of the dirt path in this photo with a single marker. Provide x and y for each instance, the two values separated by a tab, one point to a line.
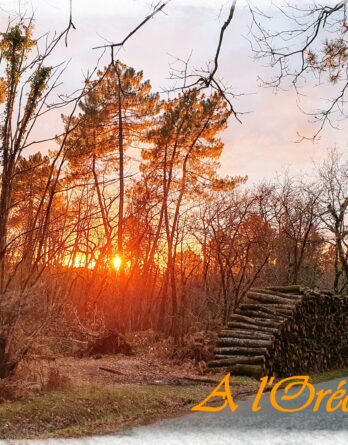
140	368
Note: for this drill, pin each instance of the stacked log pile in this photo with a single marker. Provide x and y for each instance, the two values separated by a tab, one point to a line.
283	332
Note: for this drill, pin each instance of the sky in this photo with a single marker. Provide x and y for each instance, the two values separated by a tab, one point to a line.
263	145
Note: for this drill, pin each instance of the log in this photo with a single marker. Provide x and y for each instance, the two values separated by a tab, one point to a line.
266	298
112	371
199	380
293	289
238	350
236	324
261	314
280	294
245	342
235	333
235	360
269	308
256	321
283	332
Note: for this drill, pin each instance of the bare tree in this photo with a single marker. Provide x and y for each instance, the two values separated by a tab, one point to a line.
333	194
296	221
313	46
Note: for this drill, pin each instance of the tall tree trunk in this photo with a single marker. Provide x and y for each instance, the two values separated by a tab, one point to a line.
5	199
6	177
104	215
121	165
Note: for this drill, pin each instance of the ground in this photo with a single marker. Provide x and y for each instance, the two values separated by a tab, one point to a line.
141	368
110	393
107	393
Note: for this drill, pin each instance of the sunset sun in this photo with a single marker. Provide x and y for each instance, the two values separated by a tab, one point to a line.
117	262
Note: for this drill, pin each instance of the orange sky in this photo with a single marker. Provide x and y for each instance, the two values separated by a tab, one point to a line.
263	145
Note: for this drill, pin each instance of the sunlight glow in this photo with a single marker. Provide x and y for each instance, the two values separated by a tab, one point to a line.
79	262
117	262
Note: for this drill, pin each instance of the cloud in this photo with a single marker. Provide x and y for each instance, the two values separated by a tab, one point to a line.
259	147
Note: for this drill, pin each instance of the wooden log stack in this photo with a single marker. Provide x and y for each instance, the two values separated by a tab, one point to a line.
285	331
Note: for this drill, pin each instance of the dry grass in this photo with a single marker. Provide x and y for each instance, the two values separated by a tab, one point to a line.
33	377
94	410
90	401
329	375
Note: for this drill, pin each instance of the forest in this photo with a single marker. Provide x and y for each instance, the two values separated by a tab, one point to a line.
127	224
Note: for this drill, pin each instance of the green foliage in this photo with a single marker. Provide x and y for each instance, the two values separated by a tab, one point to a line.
15	45
38	84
